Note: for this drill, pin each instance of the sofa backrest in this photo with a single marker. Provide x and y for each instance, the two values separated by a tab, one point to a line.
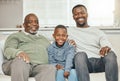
113	38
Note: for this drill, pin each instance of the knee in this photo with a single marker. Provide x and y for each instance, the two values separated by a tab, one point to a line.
110	57
19	64
73	75
73	72
60	72
80	56
52	68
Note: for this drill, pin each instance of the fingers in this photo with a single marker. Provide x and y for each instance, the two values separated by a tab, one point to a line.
72	42
24	56
66	74
104	51
58	66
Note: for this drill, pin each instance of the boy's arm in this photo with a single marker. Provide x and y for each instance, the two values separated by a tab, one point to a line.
51	56
69	59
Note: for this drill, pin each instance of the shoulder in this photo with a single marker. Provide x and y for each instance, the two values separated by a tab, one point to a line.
15	35
96	31
41	36
69	46
51	46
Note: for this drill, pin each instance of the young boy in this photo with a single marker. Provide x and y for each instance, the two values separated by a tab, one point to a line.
61	55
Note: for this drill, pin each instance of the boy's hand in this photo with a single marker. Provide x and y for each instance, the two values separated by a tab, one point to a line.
58	66
104	50
66	74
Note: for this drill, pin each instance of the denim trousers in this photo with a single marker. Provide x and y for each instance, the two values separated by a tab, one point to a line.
71	77
85	65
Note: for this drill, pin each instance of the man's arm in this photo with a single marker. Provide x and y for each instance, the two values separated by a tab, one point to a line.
11	49
105	45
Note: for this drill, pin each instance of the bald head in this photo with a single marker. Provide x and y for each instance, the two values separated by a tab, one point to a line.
31	23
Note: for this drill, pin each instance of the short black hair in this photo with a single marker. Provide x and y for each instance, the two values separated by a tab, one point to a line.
79	5
61	26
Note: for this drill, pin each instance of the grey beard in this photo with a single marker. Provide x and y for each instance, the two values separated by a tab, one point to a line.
33	33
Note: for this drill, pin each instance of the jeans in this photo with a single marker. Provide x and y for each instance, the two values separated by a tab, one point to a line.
71	77
85	65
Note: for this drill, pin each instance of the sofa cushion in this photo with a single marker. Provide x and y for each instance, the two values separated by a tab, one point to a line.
8	78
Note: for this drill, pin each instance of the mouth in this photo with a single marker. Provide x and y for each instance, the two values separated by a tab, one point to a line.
81	19
33	30
60	42
81	22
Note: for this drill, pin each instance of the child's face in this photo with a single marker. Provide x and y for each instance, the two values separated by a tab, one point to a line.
60	36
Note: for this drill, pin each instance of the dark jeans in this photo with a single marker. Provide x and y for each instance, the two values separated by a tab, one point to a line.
85	65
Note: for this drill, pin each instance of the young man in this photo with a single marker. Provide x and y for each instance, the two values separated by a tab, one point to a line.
61	55
94	52
26	54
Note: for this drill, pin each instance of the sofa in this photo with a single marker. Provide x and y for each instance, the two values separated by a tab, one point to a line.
113	38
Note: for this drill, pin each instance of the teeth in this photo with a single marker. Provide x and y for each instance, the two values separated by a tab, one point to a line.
81	19
60	41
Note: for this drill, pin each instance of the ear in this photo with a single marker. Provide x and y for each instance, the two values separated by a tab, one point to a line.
87	14
73	17
53	35
67	36
24	25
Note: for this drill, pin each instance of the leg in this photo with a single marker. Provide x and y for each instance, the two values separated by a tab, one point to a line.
44	72
19	70
59	75
111	67
81	66
6	67
72	76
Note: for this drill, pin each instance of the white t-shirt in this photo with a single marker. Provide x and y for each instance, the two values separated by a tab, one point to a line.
89	40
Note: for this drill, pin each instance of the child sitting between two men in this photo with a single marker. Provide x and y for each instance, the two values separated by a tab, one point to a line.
61	55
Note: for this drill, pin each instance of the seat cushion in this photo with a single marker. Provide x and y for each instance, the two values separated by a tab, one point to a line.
8	78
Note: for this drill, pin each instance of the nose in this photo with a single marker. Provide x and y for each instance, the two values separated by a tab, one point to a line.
80	15
34	23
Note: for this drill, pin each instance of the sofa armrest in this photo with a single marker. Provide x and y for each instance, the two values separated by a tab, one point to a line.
1	55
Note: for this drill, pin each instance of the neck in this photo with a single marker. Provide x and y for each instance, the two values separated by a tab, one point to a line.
58	45
84	26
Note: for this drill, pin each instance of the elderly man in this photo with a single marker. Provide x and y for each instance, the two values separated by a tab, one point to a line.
26	53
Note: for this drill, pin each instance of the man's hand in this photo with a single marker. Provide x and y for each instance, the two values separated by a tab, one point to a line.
104	50
24	56
66	74
58	66
72	42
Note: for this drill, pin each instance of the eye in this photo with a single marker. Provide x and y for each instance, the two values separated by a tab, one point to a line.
29	21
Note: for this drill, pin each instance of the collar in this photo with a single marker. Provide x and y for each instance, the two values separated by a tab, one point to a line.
65	44
26	33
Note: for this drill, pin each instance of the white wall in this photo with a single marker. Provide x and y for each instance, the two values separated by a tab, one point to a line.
54	12
50	12
11	13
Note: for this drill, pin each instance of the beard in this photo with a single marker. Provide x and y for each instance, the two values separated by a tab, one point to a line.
33	32
80	25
